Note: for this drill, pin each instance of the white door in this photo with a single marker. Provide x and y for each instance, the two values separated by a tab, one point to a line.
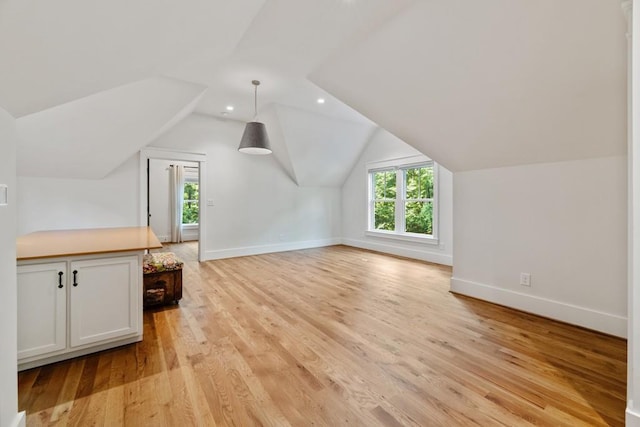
158	202
42	308
105	300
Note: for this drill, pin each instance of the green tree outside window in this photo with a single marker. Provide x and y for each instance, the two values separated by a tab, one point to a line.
190	207
419	200
384	200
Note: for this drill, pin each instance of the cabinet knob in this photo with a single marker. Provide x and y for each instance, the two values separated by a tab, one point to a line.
60	279
75	277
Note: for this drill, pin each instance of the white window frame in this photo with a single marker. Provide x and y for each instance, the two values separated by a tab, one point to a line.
400	166
191	176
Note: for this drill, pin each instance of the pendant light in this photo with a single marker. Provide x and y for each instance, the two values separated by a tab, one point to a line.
254	139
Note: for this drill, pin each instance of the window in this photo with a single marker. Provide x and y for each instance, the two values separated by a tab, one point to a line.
384	200
190	207
418	200
403	199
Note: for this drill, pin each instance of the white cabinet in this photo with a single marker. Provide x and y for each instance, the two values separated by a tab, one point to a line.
104	299
76	306
42	308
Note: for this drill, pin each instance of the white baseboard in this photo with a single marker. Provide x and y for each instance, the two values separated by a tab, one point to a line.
265	249
421	254
186	237
35	361
632	418
190	235
20	420
591	319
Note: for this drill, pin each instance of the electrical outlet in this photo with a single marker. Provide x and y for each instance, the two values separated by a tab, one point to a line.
525	279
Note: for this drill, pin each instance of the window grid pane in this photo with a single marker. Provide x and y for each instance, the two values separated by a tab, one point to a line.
419	217
418	200
384	183
418	183
190	205
384	216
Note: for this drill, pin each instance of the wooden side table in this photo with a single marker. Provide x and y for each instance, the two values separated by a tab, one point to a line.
162	279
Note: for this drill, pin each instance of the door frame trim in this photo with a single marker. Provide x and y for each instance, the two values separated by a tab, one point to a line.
165	154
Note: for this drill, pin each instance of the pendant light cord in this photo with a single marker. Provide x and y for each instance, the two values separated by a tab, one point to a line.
255	83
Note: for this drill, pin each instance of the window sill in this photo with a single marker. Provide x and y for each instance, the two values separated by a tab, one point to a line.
189	226
407	237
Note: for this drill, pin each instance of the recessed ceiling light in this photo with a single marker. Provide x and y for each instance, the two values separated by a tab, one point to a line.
320	100
229	107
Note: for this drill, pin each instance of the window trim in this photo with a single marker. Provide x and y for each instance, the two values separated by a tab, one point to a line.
400	165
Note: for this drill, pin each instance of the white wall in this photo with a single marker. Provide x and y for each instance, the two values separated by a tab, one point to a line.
58	204
385	146
565	223
159	193
8	303
256	208
159	209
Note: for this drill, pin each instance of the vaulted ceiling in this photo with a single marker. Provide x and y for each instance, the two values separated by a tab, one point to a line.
471	84
492	83
102	130
69	49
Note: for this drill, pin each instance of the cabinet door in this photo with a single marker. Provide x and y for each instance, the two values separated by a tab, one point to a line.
42	308
104	299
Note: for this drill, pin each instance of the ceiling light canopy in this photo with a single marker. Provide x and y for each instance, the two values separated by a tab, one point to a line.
254	139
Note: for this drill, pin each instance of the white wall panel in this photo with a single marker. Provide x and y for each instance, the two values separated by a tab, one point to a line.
564	223
58	204
8	307
256	206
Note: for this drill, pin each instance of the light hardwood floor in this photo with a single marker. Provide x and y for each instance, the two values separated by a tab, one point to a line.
331	337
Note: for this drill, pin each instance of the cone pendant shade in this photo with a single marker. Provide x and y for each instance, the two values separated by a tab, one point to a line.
254	139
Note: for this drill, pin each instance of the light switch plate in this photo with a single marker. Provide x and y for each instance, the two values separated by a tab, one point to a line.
4	195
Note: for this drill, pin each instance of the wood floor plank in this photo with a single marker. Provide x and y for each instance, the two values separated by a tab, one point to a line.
65	401
330	337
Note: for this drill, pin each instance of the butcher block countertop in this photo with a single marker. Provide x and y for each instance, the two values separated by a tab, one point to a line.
58	243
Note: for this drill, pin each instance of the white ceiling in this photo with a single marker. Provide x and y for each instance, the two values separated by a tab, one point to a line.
59	51
90	137
492	83
322	150
65	50
471	84
285	42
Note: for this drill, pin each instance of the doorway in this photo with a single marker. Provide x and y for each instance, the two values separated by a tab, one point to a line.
155	165
173	207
